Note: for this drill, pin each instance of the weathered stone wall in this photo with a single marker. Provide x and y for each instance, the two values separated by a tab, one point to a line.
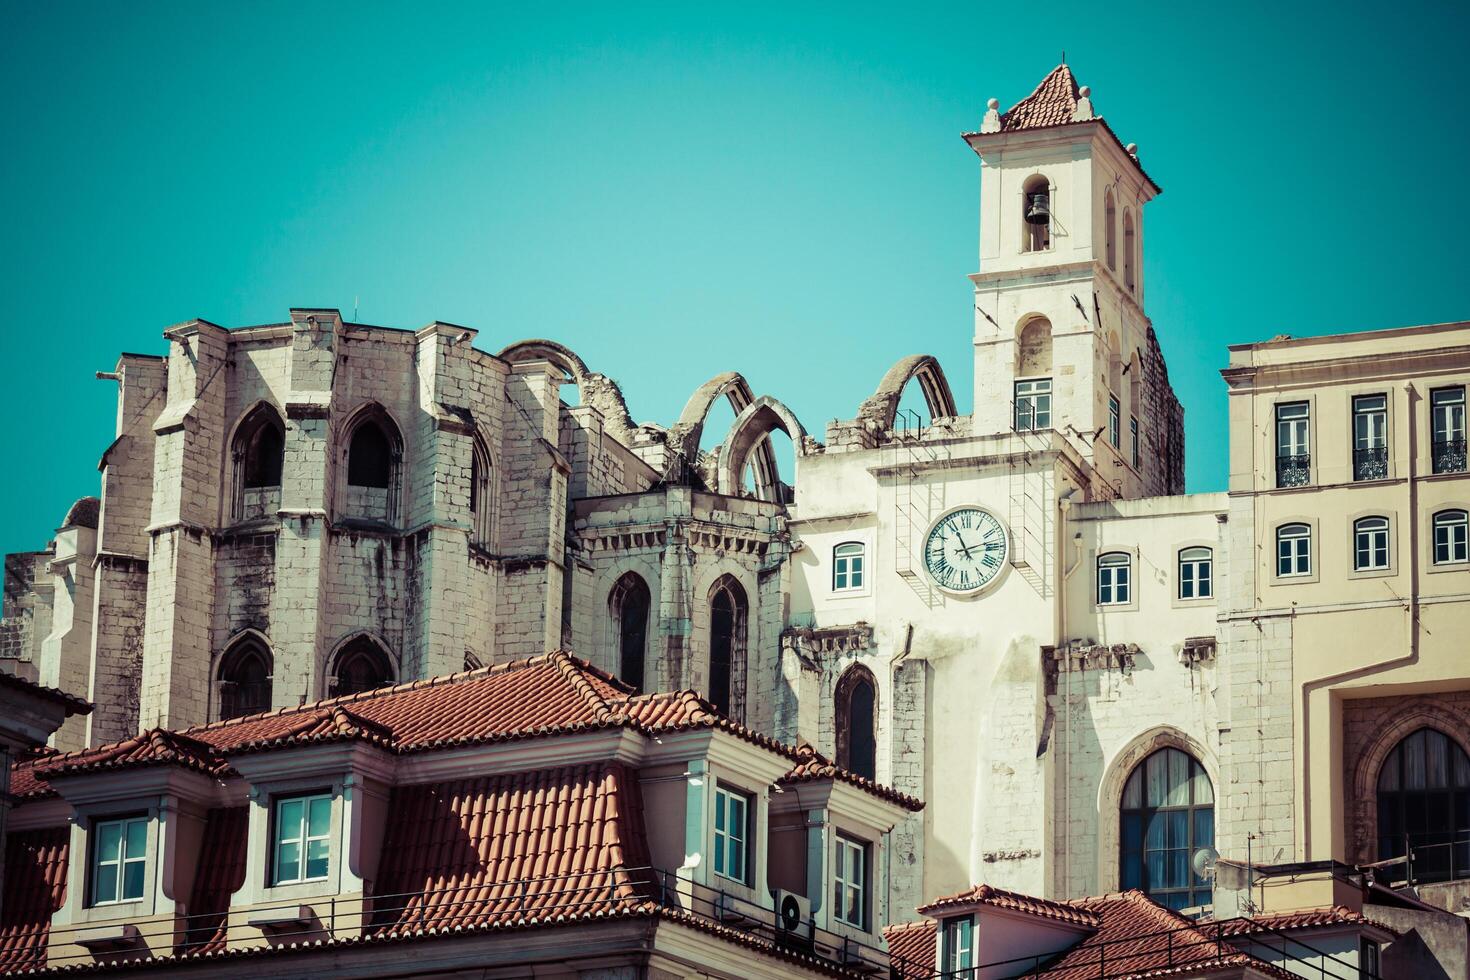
25	618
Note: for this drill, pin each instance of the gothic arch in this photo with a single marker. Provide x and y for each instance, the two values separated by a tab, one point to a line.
881	408
257	445
594	389
630	609
390	469
1115	776
1445	718
484	495
748	436
547	350
358	643
684	437
242	675
856	724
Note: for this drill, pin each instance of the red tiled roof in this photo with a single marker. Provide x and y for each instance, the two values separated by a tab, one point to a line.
1016	902
1140	938
498	849
911	949
24	783
220	874
35	887
1336	915
1051	104
552	694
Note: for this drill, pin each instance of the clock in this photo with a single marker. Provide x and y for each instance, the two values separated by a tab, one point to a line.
965	550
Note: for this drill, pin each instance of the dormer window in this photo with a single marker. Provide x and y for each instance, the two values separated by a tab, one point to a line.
119	857
850	882
958	947
299	839
732	834
1036	215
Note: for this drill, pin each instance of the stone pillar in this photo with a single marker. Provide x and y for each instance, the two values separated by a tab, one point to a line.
1013	812
675	613
187	458
66	654
303	545
906	729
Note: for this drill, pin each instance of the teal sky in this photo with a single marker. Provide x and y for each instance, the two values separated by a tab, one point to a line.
676	190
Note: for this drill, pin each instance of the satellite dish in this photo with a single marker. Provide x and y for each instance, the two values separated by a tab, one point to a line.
790	913
1203	862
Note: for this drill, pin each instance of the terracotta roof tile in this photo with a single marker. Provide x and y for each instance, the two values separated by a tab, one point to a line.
35	888
1016	902
1304	919
1051	104
911	949
24	783
156	747
221	872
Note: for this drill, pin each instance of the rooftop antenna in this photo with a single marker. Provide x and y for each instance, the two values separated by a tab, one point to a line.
1064	56
354	309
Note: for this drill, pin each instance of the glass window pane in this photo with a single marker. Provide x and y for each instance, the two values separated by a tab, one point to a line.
1157	775
1437	774
1178	828
137	841
288	823
133	880
1204	828
321	816
316	859
1133	790
1203	791
1413	761
1388	778
109	841
1156	875
1132	870
1156	836
1178	777
104	883
288	861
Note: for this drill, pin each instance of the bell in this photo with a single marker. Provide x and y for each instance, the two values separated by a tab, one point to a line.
1038	211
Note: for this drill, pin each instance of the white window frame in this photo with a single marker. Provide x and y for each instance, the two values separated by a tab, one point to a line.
1196	558
299	835
1447	419
1300	553
958	952
1371	538
1293	428
849	567
1443	526
850	882
725	836
1033	393
1113	588
116	864
1133	434
1115	422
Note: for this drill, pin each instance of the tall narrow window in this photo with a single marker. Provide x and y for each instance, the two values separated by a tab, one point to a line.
119	859
1128	238
727	646
1424	806
848	573
850	882
1168	814
857	722
1114	435
1447	424
300	839
1110	224
1113	574
369	460
361	666
1036	203
1293	550
245	679
482	496
629	604
374	454
958	942
257	454
1033	404
1293	451
1196	573
1450	538
1370	544
732	834
1370	437
1133	440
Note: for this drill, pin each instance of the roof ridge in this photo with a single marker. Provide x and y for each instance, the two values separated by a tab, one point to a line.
571	669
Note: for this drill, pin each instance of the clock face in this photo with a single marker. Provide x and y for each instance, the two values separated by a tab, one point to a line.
966	550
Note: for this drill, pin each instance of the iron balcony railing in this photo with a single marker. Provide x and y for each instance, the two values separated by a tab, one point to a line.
1448	456
1294	471
1428	858
1371	463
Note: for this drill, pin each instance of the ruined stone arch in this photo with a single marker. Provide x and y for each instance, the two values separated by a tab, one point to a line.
547	350
256	461
1115	776
747	442
346	667
1396	726
685	436
370	488
880	410
243	675
594	390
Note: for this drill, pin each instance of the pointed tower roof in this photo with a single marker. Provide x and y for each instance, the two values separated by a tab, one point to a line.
1052	104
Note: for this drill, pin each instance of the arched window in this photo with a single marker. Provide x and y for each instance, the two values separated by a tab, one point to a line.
1114	579
857	722
244	679
482	496
1370	543
1450	544
1167	814
257	453
727	614
1128	246
848	571
1424	806
1110	226
374	455
1196	573
629	603
1293	550
362	665
1036	200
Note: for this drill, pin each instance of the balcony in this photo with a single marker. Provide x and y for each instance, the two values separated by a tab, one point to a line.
1294	471
1370	464
1448	456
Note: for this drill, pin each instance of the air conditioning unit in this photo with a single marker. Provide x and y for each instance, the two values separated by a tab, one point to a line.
793	911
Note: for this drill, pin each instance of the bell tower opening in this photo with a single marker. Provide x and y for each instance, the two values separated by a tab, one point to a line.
1036	214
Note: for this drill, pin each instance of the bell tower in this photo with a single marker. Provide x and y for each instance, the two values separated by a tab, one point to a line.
1061	338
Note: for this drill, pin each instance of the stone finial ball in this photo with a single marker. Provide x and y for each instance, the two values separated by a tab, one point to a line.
1085	91
993	104
1133	149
